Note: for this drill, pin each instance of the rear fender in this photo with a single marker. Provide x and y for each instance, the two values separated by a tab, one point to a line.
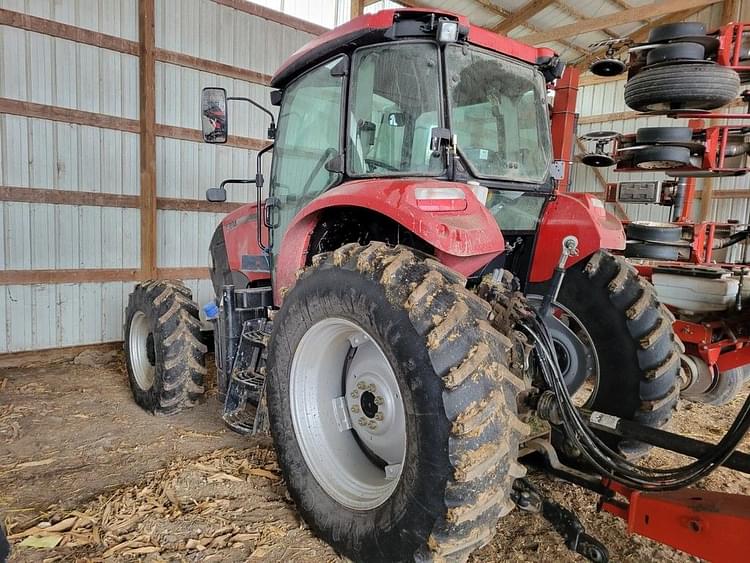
464	240
581	215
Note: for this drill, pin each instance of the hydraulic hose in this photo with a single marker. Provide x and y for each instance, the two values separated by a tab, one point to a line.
608	462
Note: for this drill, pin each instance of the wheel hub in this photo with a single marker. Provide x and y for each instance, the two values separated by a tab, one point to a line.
142	351
347	413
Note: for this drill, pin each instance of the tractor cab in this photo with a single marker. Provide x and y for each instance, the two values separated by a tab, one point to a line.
411	94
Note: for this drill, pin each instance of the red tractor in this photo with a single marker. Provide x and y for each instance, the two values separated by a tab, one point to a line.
412	290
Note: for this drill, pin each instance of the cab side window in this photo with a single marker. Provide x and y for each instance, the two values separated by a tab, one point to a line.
309	137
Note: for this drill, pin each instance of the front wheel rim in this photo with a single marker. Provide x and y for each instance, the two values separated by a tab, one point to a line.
348	414
141	351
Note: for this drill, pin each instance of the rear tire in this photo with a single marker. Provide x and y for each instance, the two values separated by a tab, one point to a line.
662	157
682	86
163	349
461	431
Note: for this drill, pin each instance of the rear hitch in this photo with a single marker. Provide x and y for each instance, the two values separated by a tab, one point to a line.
565	522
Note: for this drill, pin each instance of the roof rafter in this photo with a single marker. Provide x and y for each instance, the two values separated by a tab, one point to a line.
497	10
520	16
641	34
618	18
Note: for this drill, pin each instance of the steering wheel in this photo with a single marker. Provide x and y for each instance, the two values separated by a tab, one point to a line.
372	164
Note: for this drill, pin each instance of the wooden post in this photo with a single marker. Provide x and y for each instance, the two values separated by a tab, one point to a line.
358	8
147	76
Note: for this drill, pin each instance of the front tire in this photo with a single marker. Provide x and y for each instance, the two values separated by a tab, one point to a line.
163	350
637	357
437	487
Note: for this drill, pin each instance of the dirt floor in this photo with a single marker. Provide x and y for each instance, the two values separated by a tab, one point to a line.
86	475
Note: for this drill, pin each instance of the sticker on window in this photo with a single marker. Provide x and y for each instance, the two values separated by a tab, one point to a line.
484	154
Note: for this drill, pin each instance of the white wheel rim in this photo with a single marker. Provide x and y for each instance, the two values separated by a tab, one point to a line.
348	414
143	370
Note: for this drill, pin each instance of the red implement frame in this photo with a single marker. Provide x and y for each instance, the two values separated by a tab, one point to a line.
565	121
709	525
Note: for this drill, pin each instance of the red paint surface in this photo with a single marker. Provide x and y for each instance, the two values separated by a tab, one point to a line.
710	525
573	214
384	19
241	238
465	239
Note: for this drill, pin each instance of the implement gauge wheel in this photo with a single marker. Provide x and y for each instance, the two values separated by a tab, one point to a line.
392	409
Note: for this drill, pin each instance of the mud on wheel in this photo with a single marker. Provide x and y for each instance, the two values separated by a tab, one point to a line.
392	408
163	350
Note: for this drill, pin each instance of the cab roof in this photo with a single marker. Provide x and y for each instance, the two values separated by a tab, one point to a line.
394	25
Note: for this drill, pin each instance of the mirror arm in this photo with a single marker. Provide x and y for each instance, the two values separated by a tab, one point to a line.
272	127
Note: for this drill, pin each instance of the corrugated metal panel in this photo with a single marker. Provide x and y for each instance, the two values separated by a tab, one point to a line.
113	17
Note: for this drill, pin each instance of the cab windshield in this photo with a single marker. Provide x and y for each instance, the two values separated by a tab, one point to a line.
394	107
498	113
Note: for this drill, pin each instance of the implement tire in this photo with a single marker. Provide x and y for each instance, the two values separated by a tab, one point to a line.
436	487
682	86
163	348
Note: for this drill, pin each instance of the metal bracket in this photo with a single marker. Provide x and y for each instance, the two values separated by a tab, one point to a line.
565	522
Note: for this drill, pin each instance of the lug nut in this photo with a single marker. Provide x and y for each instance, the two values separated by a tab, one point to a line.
379	416
362	385
362	421
372	425
354	394
356	409
379	400
372	388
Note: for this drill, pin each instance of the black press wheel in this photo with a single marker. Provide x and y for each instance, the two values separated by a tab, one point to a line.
701	86
597	160
673	31
662	157
636	355
676	52
392	408
651	251
653	231
607	67
663	135
163	350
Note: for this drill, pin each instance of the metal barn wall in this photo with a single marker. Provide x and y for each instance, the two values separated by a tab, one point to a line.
51	154
607	98
186	168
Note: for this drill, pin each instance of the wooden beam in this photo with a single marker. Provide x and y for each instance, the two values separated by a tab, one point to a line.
49	356
520	16
147	95
85	275
272	15
185	134
67	115
214	67
611	20
730	11
96	275
67	197
617	116
98	199
572	11
196	205
639	36
184	273
357	8
69	32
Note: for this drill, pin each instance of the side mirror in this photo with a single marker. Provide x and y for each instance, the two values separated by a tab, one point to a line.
216	195
214	117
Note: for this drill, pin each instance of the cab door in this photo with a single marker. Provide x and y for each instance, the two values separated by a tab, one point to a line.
309	137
